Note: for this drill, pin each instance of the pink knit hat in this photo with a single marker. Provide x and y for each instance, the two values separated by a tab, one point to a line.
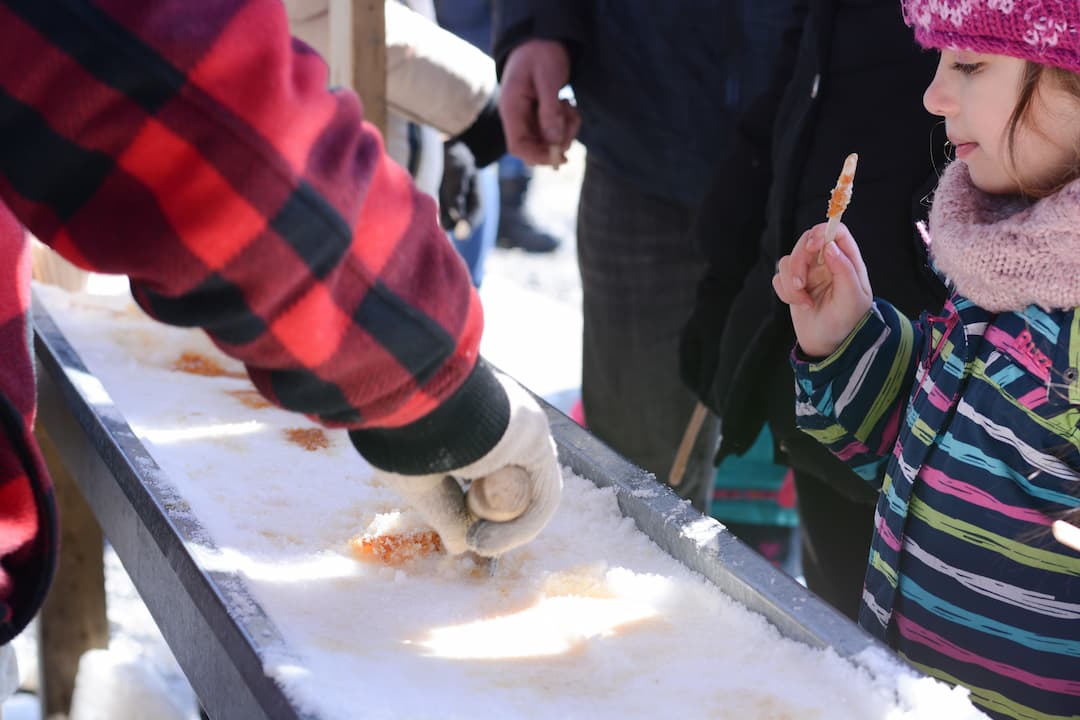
1043	31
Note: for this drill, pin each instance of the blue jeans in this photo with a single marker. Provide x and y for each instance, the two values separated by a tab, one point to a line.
475	248
511	167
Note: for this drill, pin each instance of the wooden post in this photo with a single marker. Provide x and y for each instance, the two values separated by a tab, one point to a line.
73	619
50	268
358	53
682	456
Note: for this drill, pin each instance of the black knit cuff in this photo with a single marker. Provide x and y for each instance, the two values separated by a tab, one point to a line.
460	431
485	137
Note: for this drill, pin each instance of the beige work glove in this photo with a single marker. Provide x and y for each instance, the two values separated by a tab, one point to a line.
527	444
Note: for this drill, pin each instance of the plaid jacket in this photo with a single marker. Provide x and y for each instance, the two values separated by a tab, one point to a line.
193	146
977	416
28	531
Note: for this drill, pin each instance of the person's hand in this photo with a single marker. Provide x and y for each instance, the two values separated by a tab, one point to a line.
527	444
827	299
460	207
534	118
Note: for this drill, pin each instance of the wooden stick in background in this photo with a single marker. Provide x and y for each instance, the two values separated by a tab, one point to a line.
357	54
555	156
678	468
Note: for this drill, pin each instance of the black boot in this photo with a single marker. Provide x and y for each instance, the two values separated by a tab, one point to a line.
516	229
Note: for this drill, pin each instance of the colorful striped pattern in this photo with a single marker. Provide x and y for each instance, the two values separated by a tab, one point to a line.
752	489
965	578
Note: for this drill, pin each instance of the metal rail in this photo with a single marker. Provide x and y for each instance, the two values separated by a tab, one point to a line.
704	545
214	627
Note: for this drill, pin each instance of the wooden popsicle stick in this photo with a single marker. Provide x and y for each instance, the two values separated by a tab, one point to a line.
838	201
555	156
682	456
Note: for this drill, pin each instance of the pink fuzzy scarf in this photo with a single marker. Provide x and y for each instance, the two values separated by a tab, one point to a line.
1004	252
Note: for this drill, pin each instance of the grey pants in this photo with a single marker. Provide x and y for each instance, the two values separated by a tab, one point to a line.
639	276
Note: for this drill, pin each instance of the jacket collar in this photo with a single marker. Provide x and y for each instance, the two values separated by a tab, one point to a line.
1006	252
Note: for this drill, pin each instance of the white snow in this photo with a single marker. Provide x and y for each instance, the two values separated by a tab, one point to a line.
109	685
590	620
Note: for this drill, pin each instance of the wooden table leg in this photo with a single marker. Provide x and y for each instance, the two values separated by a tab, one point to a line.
357	54
73	619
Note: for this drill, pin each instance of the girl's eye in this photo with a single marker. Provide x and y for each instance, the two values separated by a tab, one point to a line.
967	68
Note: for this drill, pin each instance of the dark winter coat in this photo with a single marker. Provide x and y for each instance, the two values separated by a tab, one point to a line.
658	84
850	79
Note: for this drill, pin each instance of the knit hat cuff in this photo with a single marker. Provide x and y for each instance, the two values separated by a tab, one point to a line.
943	40
1042	31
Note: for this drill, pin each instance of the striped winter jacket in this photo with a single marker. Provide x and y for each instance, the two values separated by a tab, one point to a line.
977	416
192	145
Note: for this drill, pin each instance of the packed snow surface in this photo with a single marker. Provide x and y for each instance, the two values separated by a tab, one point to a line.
590	620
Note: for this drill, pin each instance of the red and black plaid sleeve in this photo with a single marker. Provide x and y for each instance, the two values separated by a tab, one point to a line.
193	146
28	529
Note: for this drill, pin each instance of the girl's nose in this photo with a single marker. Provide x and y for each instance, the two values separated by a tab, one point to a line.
937	99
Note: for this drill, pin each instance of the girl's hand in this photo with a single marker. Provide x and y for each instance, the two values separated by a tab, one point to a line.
827	300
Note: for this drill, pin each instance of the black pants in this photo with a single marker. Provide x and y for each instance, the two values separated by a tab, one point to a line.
836	532
639	277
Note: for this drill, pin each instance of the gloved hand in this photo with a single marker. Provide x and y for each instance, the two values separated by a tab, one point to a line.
527	443
460	207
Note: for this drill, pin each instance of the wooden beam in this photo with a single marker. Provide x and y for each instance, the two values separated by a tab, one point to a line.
73	619
52	269
358	53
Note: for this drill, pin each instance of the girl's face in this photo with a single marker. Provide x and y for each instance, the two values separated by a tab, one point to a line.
976	94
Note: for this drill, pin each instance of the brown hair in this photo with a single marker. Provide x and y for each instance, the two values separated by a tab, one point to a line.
1034	75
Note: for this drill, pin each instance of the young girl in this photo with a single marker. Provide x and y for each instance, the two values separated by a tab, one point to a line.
976	410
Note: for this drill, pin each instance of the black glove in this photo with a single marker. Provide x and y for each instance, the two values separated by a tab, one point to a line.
460	207
699	342
726	231
485	136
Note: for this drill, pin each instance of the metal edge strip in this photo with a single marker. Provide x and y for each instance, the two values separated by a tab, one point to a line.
704	545
218	652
